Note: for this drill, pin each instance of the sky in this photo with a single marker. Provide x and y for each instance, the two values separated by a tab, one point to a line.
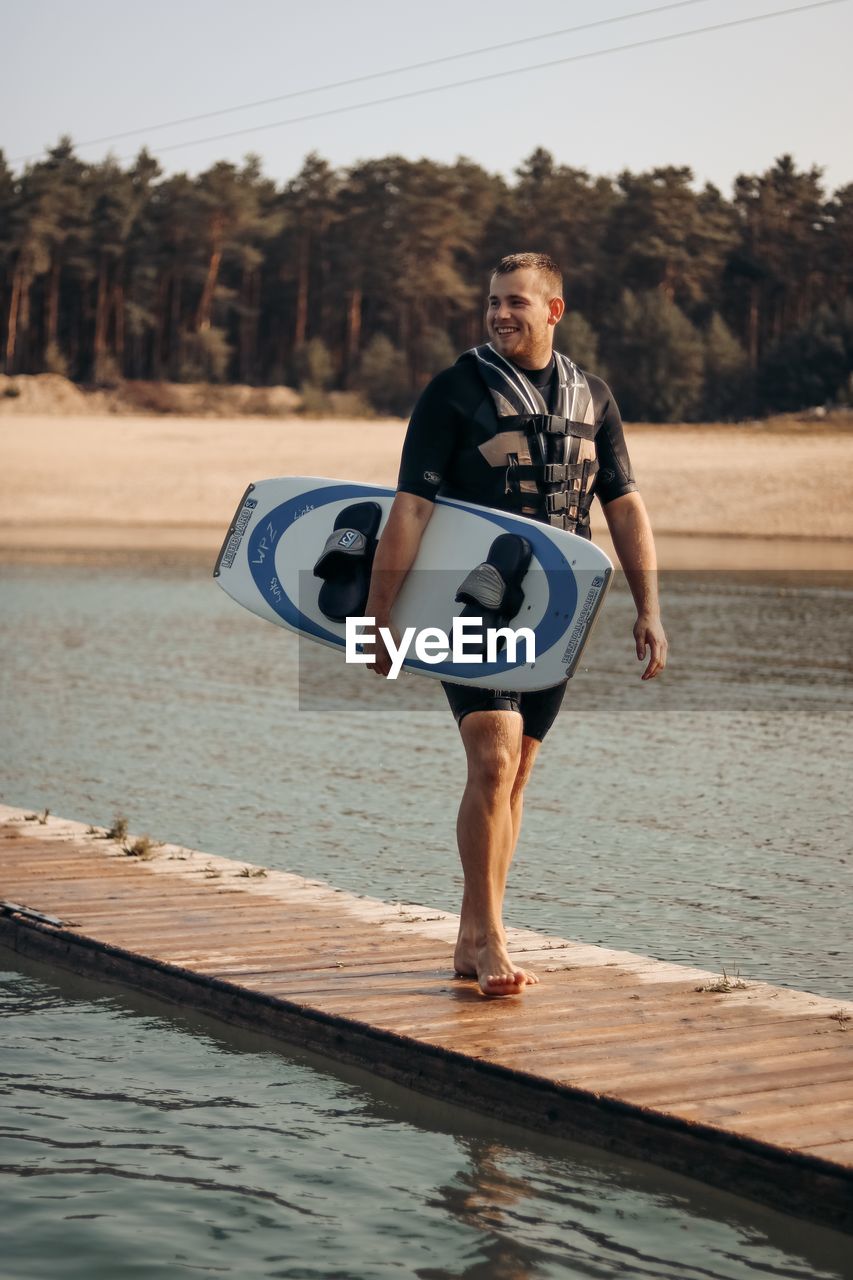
722	102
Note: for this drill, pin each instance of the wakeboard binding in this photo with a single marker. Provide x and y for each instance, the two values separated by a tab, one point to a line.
492	591
346	562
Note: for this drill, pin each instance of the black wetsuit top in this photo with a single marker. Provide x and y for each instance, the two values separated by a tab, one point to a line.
455	416
442	454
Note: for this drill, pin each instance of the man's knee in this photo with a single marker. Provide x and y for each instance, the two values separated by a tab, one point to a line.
494	770
494	753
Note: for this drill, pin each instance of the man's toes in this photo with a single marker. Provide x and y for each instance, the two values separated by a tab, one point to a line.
501	984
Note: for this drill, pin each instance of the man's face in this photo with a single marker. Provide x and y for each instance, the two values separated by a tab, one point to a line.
520	317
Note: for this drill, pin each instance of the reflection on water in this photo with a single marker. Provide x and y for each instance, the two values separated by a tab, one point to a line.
139	1141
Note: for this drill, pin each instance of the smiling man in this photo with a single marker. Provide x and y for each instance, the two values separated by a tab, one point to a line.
515	426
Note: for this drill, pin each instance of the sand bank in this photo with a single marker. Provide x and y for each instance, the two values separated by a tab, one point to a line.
719	496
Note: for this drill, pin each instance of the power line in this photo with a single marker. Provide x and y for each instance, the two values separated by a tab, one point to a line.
494	75
498	75
378	75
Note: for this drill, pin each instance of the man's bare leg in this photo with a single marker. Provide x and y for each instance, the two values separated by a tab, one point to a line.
499	763
529	751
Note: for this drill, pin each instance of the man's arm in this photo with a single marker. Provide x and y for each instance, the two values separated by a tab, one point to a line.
398	546
631	531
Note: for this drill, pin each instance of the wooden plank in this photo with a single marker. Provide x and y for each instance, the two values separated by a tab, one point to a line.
800	1103
750	1090
585	1037
691	1082
837	1152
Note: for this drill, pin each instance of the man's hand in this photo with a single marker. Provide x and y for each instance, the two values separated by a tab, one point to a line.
398	547
628	522
381	663
651	637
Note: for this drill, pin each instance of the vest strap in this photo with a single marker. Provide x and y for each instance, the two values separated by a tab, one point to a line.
555	502
564	472
566	427
560	520
550	473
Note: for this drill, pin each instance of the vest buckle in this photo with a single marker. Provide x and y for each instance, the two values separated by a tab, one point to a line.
555	502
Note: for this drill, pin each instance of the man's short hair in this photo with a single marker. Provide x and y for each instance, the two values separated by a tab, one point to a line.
551	274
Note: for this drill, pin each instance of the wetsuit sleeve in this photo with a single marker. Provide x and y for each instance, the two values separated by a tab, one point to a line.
615	475
430	441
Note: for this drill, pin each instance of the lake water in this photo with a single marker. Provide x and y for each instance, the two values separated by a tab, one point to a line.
703	818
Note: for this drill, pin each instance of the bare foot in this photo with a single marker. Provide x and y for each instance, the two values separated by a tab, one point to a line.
464	961
490	963
465	957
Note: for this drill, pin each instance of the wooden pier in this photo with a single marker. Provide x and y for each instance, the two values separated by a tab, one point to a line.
749	1089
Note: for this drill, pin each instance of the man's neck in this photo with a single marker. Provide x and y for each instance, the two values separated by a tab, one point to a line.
534	364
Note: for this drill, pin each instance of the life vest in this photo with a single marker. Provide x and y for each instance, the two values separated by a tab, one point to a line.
549	456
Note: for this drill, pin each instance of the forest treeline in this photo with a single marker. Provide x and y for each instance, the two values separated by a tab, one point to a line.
369	279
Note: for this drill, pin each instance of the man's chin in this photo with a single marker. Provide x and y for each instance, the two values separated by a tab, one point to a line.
507	344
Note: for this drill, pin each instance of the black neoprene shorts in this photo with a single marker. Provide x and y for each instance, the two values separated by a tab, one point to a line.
538	708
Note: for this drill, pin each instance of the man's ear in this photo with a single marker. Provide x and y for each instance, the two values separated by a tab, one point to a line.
556	308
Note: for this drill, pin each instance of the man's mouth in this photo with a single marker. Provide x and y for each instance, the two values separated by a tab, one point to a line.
503	330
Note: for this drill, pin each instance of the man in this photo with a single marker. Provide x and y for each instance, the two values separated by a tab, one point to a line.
513	426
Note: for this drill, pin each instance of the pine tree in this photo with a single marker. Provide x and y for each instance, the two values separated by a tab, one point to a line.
726	393
811	366
657	362
781	255
46	229
562	211
8	201
577	339
663	235
383	376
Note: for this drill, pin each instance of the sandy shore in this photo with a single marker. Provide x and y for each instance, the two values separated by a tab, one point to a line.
719	497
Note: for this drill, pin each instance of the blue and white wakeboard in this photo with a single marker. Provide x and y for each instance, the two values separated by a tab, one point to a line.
281	527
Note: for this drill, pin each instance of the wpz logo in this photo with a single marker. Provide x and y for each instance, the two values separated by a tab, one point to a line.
266	544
